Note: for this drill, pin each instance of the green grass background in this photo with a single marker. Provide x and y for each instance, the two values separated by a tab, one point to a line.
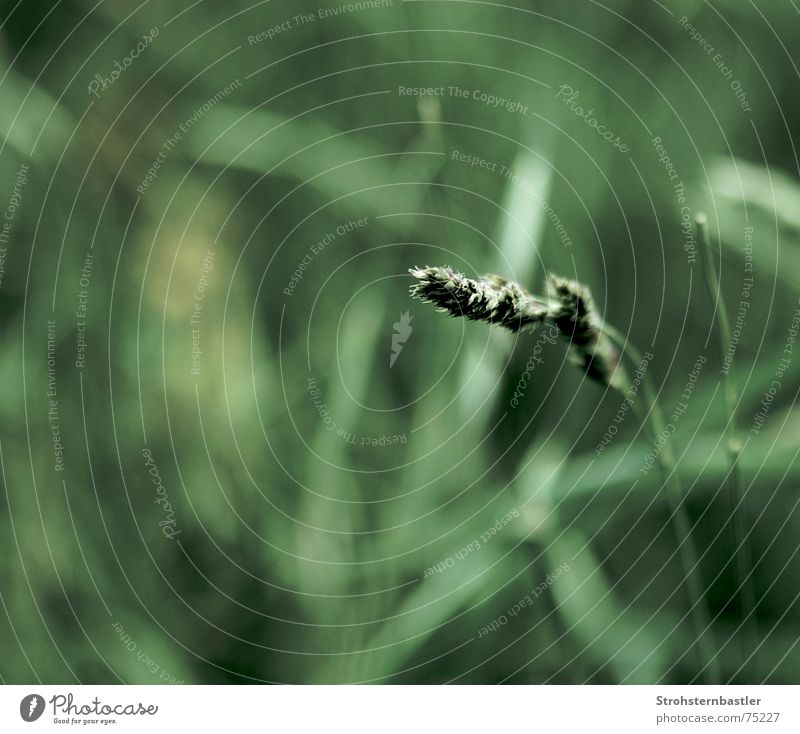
301	556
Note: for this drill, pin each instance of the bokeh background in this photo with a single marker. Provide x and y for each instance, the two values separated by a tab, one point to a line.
247	490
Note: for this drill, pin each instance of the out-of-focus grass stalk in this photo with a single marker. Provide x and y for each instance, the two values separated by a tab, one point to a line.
653	418
733	446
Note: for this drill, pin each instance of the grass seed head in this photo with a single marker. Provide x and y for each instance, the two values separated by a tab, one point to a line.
488	298
578	320
495	300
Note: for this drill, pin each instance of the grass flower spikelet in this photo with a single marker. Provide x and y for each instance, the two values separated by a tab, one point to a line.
496	300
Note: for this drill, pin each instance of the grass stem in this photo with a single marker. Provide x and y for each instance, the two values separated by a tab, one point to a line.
654	419
733	446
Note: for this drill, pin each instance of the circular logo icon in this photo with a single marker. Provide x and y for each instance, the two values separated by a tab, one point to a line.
32	707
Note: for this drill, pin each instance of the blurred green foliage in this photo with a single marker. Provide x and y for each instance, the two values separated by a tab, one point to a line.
302	555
